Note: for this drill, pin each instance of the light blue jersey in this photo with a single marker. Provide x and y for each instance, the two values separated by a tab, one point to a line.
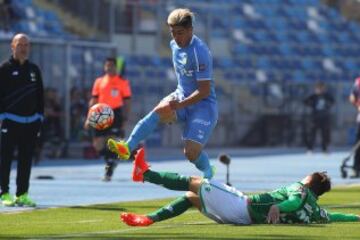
192	64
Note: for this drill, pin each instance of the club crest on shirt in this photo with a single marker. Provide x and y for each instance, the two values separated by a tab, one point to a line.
32	76
181	65
182	58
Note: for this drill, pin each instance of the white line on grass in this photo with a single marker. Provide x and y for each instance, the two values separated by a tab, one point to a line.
130	229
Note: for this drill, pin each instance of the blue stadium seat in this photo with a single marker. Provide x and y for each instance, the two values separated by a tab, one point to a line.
244	62
224	63
283	43
36	21
264	63
299	76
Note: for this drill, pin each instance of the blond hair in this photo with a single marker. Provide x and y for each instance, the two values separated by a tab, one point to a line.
181	17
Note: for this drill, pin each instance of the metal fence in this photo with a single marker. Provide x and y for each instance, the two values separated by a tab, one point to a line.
66	66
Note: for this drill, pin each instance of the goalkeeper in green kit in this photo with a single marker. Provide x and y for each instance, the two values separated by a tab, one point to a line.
296	203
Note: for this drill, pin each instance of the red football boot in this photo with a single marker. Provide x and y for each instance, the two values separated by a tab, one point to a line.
136	220
140	166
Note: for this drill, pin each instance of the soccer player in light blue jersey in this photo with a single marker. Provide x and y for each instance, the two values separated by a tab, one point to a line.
192	103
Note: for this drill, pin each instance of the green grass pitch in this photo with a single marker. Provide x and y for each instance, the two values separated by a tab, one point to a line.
102	222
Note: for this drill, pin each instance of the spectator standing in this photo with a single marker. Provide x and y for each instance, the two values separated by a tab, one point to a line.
21	108
78	110
53	131
113	90
320	103
354	99
5	14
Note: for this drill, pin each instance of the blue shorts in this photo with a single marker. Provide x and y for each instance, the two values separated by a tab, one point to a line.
199	119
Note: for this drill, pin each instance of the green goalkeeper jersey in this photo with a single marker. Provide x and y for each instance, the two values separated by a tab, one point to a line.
297	204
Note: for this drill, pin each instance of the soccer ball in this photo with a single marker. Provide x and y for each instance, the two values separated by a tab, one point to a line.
100	116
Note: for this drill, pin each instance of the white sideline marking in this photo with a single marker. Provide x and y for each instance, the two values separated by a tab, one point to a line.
71	222
130	229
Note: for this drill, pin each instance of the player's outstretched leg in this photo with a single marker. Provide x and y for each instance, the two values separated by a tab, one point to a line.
142	173
173	209
173	181
203	164
141	131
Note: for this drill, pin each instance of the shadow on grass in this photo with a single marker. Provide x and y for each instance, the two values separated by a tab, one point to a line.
352	206
99	208
111	207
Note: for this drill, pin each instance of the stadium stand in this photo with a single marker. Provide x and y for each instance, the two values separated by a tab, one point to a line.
28	17
282	41
265	35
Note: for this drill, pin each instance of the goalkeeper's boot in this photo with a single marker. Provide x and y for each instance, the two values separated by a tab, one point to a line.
140	166
136	220
121	148
24	201
7	200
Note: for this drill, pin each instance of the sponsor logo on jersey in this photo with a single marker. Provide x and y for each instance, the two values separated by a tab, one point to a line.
184	72
201	121
200	134
15	73
182	61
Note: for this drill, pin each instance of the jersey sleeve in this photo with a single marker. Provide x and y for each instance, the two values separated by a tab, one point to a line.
296	195
96	88
203	64
126	89
342	217
291	204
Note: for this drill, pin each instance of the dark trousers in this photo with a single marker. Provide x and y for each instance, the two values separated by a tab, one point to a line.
22	136
323	125
357	152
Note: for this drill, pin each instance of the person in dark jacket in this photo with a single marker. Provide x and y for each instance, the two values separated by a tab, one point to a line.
21	112
354	99
320	103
